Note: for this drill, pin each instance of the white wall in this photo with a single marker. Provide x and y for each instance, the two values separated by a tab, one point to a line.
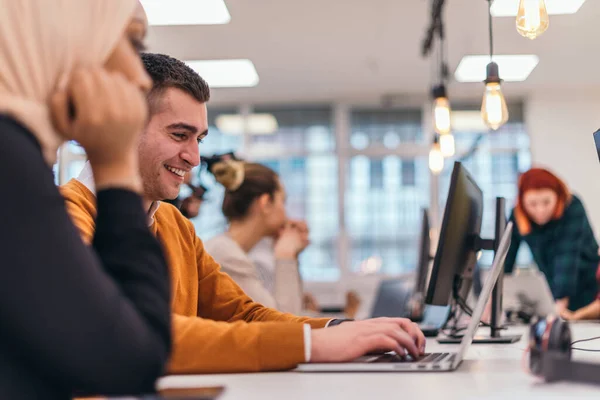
561	124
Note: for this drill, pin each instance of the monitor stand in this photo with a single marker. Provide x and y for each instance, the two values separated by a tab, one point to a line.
495	326
456	339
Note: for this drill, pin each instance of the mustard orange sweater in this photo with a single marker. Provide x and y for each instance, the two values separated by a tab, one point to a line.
217	328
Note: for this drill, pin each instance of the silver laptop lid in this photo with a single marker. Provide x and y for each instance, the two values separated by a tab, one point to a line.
485	294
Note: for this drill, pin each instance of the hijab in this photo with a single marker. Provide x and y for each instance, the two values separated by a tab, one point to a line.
41	42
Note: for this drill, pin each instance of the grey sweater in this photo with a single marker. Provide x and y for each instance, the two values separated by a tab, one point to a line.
283	291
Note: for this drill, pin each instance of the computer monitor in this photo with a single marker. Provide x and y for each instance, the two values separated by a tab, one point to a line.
392	299
597	141
459	242
456	253
424	254
422	271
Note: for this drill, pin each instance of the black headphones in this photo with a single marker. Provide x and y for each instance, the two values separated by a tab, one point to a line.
550	353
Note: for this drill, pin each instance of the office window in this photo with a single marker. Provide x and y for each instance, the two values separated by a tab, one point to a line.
298	130
386	187
504	168
376	174
383	224
386	129
301	151
408	171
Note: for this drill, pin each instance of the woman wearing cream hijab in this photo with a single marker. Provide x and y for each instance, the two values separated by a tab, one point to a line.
75	320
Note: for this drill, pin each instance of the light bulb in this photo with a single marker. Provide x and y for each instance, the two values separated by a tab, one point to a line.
447	145
436	158
493	108
441	115
532	18
441	110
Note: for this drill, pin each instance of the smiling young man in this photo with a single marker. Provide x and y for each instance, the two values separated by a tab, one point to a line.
216	326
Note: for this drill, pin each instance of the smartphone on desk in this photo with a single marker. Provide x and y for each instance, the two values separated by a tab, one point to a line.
193	393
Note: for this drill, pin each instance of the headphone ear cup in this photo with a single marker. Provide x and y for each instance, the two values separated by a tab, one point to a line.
536	348
559	340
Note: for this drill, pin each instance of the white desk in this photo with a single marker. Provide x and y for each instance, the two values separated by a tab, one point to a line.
488	372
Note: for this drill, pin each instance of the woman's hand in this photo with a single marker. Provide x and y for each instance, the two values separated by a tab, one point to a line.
568	315
292	240
105	113
561	305
591	311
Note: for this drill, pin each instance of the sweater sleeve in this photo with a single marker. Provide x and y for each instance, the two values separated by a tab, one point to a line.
221	339
221	299
240	268
93	319
206	346
515	243
566	262
288	286
287	290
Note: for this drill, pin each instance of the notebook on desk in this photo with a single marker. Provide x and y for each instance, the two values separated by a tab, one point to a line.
429	362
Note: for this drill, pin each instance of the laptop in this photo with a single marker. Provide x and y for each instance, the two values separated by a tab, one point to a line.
393	299
528	289
433	362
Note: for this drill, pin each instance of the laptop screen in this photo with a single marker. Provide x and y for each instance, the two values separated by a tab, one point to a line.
485	292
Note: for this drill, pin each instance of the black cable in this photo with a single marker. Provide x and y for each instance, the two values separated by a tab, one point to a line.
576	348
463	305
448	318
436	6
442	39
490	28
433	71
586	340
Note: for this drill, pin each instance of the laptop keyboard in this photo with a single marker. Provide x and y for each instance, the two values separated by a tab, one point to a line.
394	358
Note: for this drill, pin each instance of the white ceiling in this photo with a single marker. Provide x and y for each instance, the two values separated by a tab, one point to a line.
357	50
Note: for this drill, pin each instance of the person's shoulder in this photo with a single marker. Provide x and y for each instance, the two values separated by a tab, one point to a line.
226	251
575	200
220	244
169	217
77	194
219	239
575	205
75	189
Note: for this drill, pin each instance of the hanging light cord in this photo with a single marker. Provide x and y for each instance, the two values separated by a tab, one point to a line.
442	37
490	29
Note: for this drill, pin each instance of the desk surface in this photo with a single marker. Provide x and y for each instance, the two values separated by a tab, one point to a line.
488	371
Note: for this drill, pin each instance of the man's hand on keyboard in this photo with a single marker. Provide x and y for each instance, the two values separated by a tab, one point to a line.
350	340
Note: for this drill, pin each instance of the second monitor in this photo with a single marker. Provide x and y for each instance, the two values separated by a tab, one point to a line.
456	256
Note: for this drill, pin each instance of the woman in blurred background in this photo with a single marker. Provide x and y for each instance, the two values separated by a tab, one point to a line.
76	319
591	311
554	224
254	205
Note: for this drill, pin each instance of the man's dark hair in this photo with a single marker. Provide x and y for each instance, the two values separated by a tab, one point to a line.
167	72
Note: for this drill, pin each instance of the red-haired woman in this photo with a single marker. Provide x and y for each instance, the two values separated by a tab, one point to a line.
591	311
554	224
